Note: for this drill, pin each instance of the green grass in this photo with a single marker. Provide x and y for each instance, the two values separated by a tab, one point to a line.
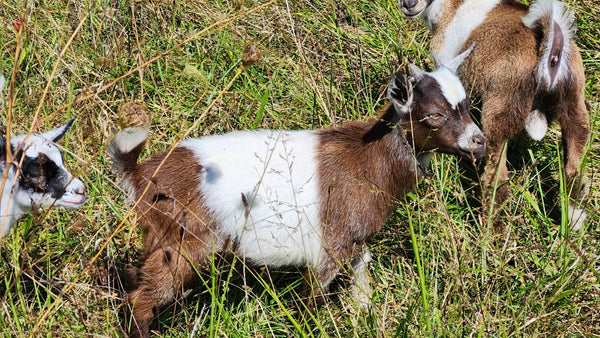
438	270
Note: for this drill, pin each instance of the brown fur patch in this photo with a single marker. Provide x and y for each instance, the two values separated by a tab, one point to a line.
172	201
359	183
500	71
178	232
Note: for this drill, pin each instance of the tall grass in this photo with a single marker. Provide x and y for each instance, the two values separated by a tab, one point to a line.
438	269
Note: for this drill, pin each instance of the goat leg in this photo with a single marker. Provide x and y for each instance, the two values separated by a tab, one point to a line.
163	276
575	127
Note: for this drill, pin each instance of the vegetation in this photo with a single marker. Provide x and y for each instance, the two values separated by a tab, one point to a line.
438	270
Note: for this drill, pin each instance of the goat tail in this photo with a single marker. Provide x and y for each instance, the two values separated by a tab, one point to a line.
557	24
126	147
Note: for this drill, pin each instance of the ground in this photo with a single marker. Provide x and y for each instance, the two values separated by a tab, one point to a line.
438	270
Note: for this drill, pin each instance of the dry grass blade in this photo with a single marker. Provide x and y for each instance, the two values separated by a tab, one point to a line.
196	36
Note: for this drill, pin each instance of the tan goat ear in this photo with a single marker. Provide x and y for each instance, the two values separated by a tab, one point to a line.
455	63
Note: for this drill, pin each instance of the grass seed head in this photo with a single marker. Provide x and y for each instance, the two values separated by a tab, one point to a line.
133	114
250	55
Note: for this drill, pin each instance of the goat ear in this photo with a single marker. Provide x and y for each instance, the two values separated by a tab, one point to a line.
416	72
56	134
455	63
400	93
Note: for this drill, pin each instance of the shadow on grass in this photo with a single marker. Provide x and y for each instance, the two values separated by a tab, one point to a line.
275	297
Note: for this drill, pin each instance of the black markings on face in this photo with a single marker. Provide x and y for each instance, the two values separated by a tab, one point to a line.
42	175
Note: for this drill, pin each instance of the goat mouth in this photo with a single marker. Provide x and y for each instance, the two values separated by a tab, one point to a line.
411	14
414	11
471	154
72	200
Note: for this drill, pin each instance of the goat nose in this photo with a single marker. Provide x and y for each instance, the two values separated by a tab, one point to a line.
479	140
409	4
78	187
80	190
478	145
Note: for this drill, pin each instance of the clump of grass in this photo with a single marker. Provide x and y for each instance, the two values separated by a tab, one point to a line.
438	269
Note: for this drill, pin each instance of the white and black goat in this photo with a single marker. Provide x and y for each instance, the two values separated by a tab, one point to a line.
34	176
527	71
275	198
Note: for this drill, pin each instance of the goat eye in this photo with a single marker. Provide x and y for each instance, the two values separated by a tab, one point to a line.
42	159
434	118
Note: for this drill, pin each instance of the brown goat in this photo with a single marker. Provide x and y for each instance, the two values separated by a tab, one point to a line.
526	69
286	198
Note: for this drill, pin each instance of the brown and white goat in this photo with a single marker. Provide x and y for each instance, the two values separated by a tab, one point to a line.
34	176
526	69
275	198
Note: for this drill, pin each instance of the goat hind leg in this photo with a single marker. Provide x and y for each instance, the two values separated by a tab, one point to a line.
575	127
495	188
164	274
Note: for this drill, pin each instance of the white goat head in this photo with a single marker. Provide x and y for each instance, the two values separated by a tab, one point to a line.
35	177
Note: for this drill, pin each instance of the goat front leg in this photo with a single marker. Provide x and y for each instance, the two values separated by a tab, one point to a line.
495	189
317	281
502	119
575	126
361	288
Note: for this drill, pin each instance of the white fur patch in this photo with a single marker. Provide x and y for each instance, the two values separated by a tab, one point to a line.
577	216
468	16
276	171
9	210
36	144
432	14
452	88
361	288
129	138
556	12
465	140
536	125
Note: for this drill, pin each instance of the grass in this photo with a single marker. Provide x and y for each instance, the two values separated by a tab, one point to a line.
437	269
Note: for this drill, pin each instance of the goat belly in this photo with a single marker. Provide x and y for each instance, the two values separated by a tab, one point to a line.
262	189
